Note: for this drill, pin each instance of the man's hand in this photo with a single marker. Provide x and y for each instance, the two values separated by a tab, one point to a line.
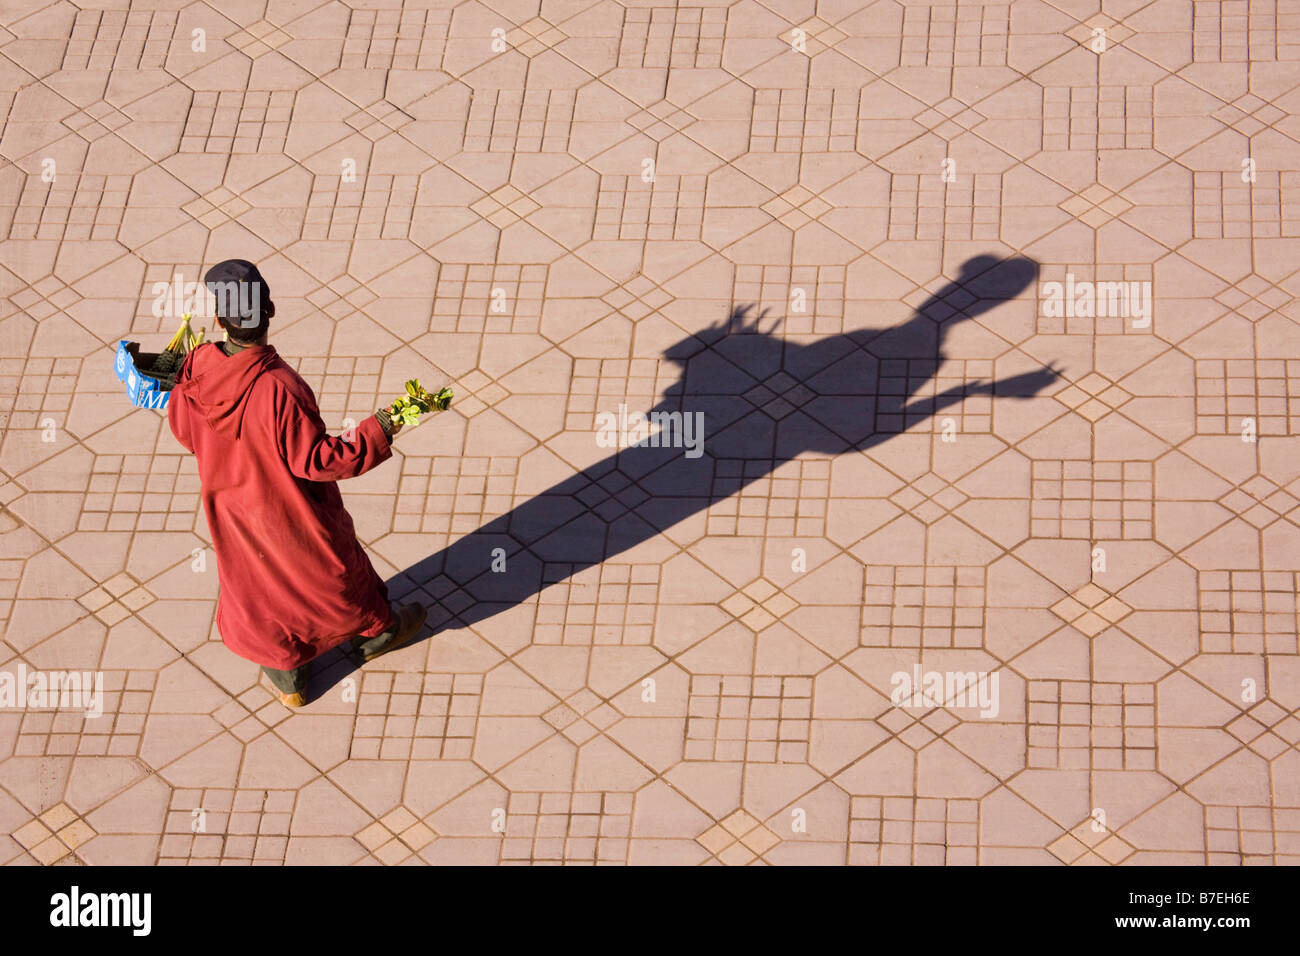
393	426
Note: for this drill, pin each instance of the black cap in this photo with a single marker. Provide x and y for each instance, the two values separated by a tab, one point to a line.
240	290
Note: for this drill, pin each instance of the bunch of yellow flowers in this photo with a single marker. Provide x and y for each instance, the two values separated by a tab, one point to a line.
185	340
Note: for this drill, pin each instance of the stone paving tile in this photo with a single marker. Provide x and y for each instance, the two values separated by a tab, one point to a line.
912	599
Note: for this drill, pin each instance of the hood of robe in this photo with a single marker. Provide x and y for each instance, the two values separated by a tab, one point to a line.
217	385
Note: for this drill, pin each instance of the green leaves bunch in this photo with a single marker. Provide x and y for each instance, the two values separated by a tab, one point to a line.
408	408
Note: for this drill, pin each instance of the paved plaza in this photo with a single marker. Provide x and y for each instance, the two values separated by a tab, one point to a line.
965	524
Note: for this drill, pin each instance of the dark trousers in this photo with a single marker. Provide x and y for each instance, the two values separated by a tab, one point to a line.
292	681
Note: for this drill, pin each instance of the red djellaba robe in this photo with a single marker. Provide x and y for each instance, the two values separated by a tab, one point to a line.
294	579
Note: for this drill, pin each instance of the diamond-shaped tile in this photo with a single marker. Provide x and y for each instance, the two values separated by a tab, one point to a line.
259	39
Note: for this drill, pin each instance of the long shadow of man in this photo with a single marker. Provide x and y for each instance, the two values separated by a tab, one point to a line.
758	402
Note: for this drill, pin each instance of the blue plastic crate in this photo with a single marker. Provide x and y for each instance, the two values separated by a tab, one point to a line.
144	390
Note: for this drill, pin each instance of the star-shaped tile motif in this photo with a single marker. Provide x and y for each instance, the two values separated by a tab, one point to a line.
341	297
259	39
612	495
949	118
45	298
1096	205
779	395
535	36
1248	114
796	207
444	598
505	206
1261	501
96	121
55	835
116	599
638	297
818	35
252	713
1090	844
396	836
1091	609
217	207
378	120
928	498
581	716
661	120
476	391
738	839
1256	297
1094	396
1267	728
1084	32
917	731
759	604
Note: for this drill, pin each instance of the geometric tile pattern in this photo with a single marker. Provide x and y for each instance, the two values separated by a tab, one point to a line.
1265	208
1113	312
343	384
395	39
901	378
36	389
378	208
738	840
140	493
414	717
680	37
223	827
815	294
783	220
926	207
1090	844
55	835
1265	390
480	298
1233	31
1091	609
567	829
118	40
1249	612
396	837
804	121
116	731
1252	836
1109	117
952	35
1102	726
923	607
452	494
758	720
238	121
788	500
84	206
601	386
608	604
1096	500
526	121
901	831
670	207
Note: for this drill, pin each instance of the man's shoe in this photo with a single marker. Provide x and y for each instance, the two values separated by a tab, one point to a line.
410	618
289	698
297	699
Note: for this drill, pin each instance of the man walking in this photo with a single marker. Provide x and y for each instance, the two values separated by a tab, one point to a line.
294	579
